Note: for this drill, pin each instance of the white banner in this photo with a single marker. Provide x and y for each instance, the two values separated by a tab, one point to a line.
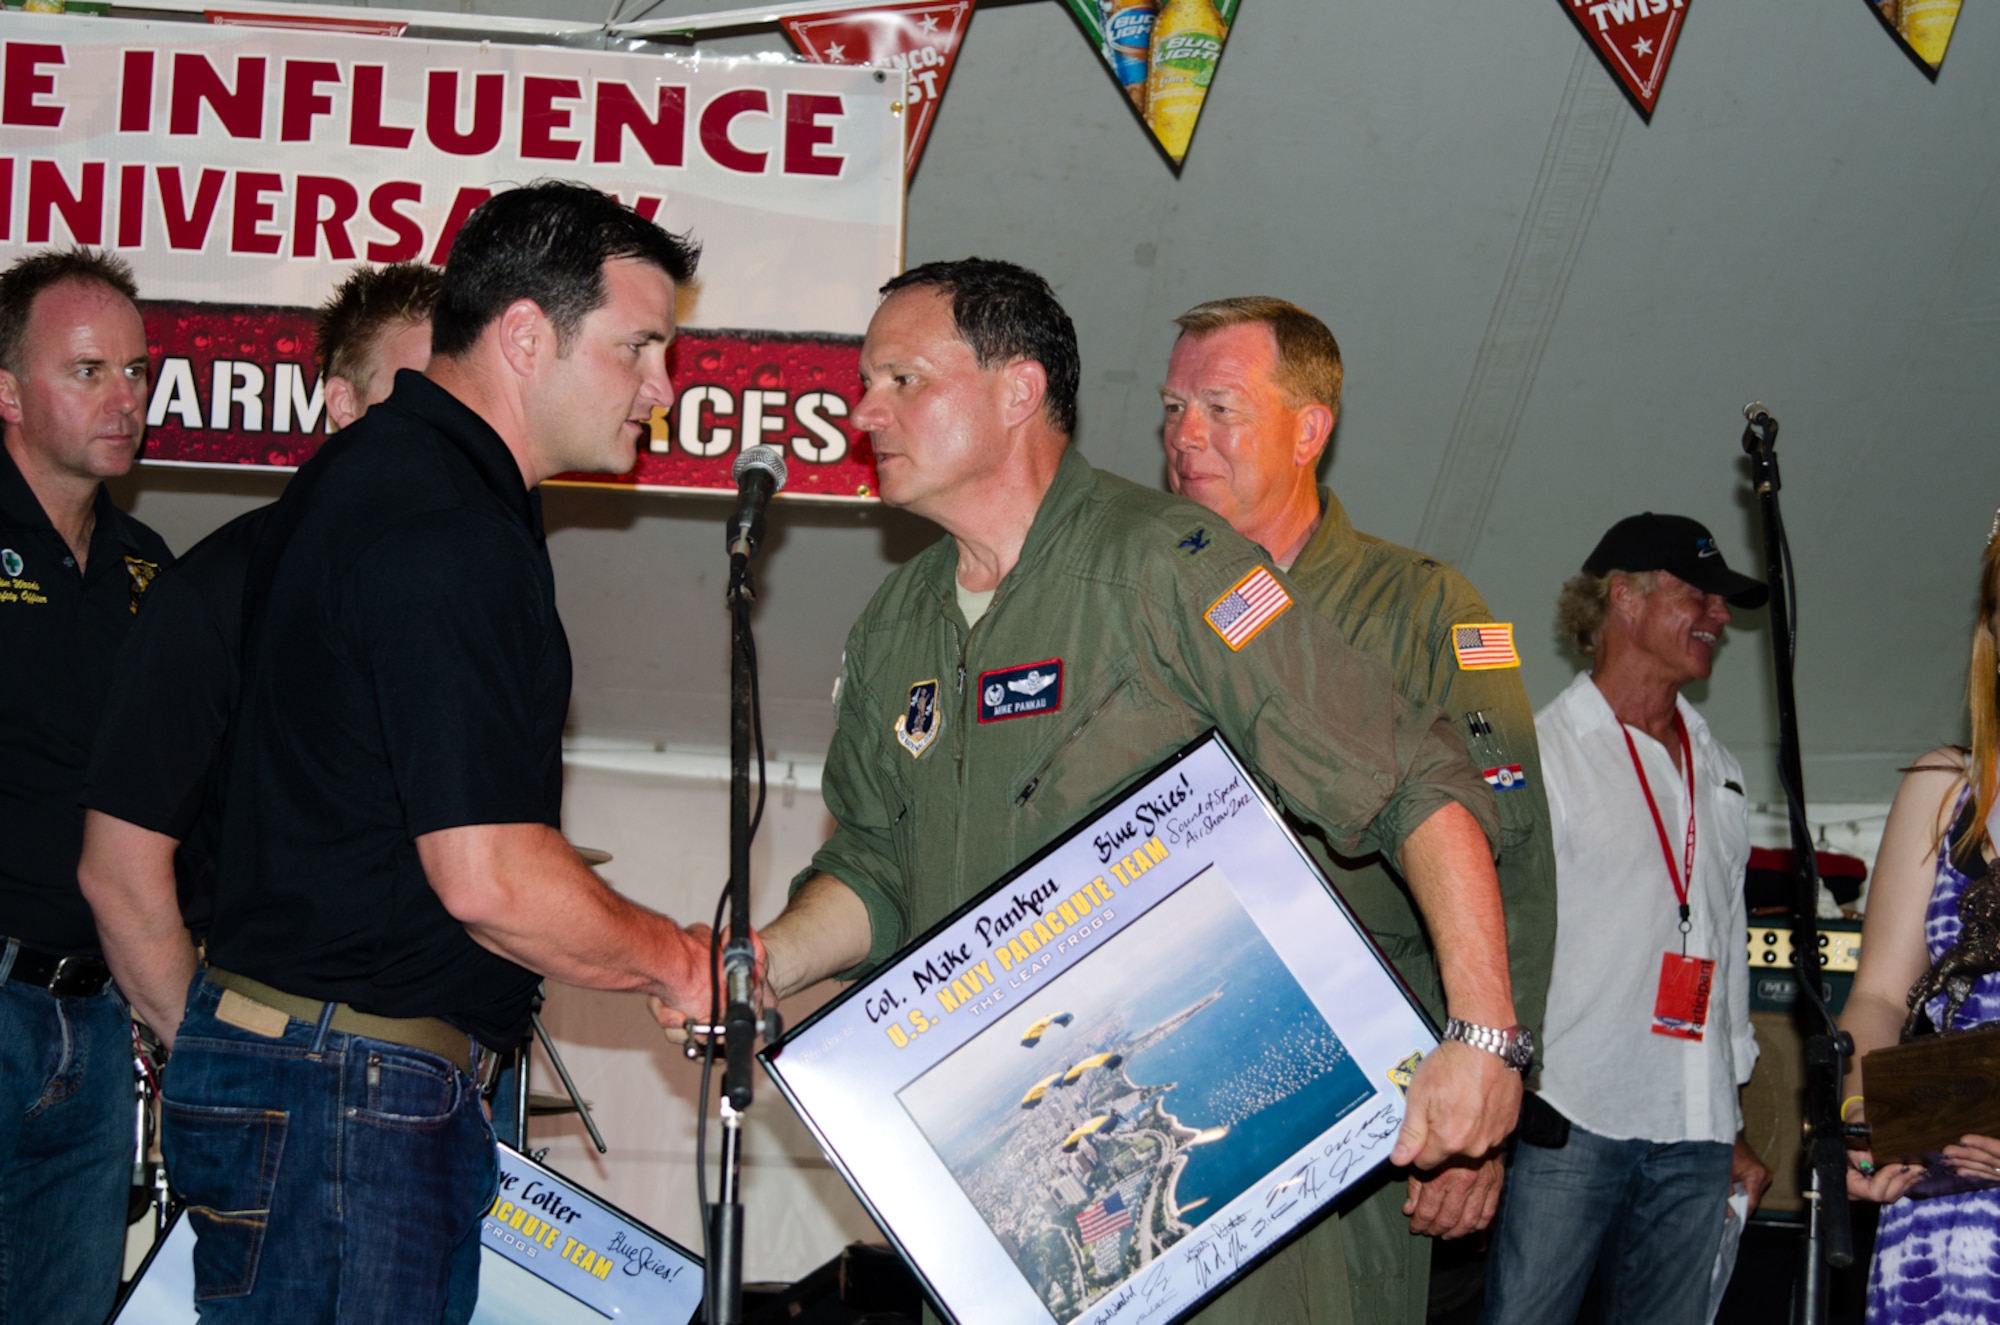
252	168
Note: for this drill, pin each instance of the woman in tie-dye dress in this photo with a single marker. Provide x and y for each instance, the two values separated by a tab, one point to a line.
1937	1257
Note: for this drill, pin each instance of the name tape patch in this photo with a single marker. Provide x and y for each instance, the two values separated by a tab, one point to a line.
1484	645
1021	691
1254	602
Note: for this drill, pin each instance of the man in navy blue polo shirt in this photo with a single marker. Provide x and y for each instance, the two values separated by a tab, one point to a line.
72	570
392	884
152	814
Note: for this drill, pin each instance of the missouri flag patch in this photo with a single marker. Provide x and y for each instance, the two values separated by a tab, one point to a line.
1253	603
1483	646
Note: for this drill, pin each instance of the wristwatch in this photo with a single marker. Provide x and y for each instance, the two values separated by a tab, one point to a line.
1515	1045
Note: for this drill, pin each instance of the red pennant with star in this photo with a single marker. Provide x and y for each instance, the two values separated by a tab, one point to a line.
1635	38
921	39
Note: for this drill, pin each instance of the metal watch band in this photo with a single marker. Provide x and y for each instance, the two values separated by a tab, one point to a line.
1515	1045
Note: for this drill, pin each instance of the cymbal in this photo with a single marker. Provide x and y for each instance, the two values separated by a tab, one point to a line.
591	855
543	1103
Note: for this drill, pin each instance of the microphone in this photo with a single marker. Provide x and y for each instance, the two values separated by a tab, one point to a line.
1763	429
759	473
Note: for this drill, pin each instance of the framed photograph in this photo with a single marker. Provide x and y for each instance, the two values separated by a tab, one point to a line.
550	1254
1119	1078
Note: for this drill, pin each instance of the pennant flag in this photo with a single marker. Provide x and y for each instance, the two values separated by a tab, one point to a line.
1163	53
1635	38
920	39
1924	26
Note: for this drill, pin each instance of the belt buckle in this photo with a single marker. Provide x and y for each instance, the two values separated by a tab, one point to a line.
56	981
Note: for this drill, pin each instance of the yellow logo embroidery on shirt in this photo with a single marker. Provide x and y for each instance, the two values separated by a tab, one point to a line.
141	573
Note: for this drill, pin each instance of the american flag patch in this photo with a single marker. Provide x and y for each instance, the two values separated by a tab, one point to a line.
1102	1218
1256	601
1484	645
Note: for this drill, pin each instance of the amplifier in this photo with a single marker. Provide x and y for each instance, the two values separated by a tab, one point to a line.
1774	1101
1774	985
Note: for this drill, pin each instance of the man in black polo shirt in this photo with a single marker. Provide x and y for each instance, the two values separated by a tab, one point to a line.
392	884
72	570
152	816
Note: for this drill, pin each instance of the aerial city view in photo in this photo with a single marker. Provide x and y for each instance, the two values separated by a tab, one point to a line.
1107	1115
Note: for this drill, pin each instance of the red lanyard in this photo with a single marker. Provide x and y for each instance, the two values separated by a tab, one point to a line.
1681	877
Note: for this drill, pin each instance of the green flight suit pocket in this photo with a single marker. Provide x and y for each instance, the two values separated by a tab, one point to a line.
1067	756
1517	816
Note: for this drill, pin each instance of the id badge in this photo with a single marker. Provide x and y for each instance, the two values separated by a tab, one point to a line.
1681	1009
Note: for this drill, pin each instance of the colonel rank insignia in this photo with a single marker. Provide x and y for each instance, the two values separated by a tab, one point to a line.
141	574
918	726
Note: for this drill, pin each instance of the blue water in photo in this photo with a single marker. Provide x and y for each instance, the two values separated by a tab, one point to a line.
1261	1044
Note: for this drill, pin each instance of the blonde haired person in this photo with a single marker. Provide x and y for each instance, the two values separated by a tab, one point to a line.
1937	1251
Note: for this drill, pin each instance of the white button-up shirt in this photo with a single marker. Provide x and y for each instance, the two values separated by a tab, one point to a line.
1616	915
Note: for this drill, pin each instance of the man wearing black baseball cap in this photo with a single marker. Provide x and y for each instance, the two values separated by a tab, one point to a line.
1682	547
1647	1034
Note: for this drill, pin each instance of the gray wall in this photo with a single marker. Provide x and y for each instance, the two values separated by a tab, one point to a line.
1551	310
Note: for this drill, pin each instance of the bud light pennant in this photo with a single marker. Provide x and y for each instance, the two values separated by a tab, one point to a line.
1634	38
1922	26
245	171
1164	55
919	39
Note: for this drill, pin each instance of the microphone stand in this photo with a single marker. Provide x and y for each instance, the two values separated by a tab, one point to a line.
723	1285
1829	1239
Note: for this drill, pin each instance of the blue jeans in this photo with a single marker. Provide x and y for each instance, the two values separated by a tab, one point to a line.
66	1145
329	1178
1647	1216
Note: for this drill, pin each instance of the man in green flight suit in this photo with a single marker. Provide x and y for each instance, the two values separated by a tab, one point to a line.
1252	392
1073	630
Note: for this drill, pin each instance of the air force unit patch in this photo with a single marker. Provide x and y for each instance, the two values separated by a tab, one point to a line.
1020	692
920	722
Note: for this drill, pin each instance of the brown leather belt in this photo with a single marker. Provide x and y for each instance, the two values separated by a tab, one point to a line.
433	1035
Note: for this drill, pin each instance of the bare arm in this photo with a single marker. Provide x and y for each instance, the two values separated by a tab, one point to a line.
521	892
127	876
1892	941
822	931
1464	1101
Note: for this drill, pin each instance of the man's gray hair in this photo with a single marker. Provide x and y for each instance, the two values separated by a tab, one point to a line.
1585	599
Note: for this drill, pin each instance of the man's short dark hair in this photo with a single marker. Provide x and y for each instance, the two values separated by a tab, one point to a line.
369	302
1006	312
22	283
547	241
